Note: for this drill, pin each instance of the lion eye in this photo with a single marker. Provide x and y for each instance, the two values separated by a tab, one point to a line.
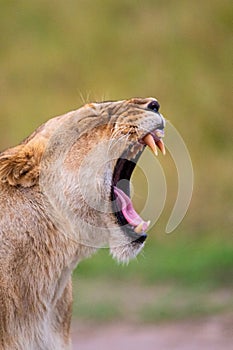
154	106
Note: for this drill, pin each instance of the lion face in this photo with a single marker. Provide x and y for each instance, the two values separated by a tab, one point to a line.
82	163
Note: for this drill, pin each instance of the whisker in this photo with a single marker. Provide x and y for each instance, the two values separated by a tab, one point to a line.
121	133
114	141
82	97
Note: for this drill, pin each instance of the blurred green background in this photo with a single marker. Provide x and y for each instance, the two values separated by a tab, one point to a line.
56	54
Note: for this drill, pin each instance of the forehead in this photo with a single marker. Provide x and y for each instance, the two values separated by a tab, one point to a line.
136	102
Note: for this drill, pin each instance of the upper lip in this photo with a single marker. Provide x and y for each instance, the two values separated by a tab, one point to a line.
121	189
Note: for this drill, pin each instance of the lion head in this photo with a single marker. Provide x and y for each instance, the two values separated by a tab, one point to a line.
81	163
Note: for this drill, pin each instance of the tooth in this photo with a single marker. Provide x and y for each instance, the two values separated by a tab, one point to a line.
139	228
150	142
161	146
148	224
159	133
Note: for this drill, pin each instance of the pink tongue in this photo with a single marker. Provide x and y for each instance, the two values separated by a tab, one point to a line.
126	206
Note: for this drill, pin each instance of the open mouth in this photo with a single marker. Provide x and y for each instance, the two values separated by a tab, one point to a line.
127	217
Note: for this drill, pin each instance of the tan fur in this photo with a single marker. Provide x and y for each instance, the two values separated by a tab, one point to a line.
52	186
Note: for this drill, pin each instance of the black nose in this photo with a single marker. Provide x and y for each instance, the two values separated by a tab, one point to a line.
154	106
141	239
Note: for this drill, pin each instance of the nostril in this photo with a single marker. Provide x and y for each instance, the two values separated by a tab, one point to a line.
154	106
141	239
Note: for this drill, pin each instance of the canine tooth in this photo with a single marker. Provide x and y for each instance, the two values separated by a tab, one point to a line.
150	142
161	146
148	223
139	228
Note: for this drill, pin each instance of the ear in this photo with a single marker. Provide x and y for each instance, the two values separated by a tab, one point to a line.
20	165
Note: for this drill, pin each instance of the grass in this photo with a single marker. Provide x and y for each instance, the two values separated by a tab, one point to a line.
106	300
100	312
192	306
183	260
176	278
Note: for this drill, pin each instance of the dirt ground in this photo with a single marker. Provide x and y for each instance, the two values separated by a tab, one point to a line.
213	333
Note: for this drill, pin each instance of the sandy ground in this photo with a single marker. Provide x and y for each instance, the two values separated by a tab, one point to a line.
213	333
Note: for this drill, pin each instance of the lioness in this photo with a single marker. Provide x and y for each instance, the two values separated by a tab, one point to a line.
65	193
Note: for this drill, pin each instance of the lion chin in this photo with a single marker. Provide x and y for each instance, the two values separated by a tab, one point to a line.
125	253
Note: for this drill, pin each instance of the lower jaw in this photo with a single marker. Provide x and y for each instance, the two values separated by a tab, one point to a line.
133	236
123	171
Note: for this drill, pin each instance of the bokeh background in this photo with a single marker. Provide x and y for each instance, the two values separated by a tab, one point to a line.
56	55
